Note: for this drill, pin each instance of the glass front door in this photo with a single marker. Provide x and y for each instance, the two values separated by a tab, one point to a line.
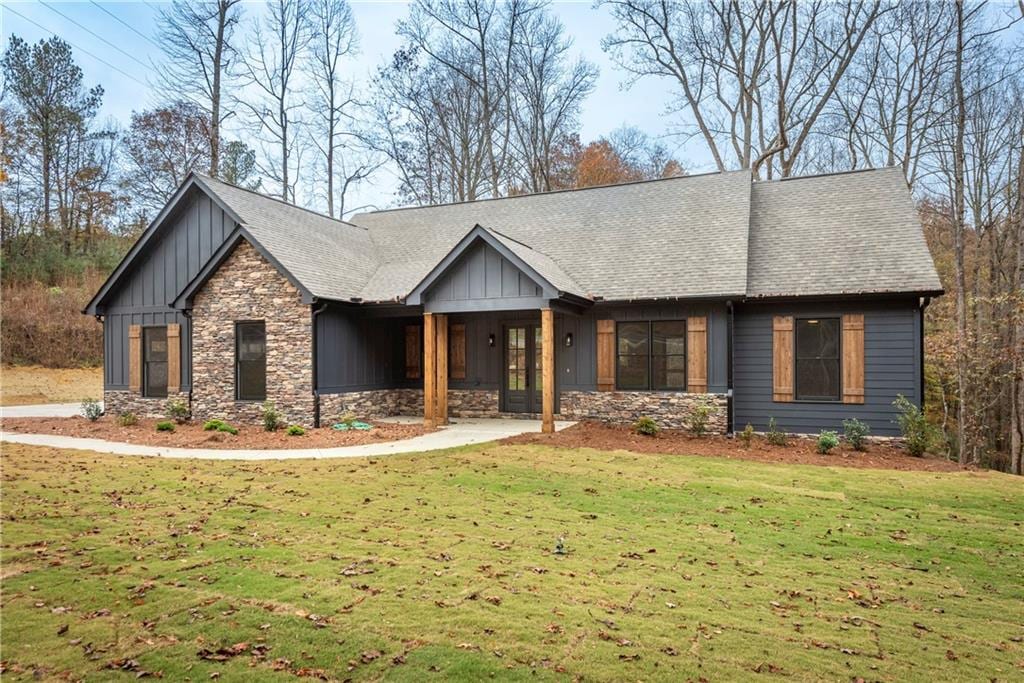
523	375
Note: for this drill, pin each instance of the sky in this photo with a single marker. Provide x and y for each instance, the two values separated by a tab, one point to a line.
116	46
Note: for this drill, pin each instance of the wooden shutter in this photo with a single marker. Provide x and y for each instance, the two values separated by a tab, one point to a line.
697	355
173	359
413	354
853	358
135	358
782	358
457	351
605	355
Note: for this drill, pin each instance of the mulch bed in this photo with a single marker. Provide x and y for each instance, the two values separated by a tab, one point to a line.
798	451
192	435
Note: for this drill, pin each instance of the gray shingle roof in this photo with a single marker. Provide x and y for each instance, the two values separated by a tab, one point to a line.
847	233
542	263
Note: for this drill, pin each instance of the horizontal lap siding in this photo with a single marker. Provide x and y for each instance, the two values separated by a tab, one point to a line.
891	357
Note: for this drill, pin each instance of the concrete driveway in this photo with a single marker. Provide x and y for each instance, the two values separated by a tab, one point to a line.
461	432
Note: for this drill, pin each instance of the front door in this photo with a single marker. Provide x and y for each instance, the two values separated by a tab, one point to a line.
523	376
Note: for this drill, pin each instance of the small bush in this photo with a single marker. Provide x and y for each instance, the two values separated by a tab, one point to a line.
827	440
271	418
918	435
773	435
177	410
747	436
697	420
165	426
296	430
127	418
91	409
646	426
225	427
348	419
856	432
213	425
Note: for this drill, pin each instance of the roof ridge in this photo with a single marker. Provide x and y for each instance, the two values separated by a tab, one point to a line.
553	192
829	173
203	176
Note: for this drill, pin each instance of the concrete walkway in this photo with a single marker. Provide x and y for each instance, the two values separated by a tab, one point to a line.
42	410
461	432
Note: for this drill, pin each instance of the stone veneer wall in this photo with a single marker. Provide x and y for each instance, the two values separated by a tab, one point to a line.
247	287
668	409
389	402
116	402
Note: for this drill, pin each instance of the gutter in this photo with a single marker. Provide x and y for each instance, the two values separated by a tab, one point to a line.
920	312
316	309
730	427
187	313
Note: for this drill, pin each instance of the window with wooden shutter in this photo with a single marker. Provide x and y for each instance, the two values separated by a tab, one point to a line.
457	351
135	358
413	351
853	358
173	359
605	355
782	358
697	355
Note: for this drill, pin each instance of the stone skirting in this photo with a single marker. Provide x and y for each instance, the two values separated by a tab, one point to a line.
390	402
669	409
116	402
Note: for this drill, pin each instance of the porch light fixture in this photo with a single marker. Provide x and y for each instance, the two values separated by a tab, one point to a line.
568	339
490	339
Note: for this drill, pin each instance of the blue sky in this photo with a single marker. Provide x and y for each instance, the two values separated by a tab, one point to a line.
132	56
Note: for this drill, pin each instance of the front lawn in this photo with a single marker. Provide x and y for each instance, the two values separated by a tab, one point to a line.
443	566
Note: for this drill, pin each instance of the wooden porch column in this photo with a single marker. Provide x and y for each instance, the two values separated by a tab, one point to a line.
429	370
547	329
441	325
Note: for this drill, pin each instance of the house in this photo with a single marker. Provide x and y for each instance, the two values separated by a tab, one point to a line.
800	299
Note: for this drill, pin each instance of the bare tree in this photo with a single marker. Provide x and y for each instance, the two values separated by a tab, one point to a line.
197	40
269	69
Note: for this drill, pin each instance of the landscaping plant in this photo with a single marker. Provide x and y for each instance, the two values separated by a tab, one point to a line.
213	425
646	426
271	418
91	409
856	432
225	427
827	440
296	430
127	418
918	435
773	435
165	426
747	436
697	420
177	410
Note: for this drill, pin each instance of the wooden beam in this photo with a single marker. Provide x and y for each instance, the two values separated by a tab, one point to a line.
441	324
135	358
547	329
429	373
173	359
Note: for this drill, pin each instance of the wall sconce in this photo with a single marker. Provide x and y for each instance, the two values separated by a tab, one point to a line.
490	340
568	339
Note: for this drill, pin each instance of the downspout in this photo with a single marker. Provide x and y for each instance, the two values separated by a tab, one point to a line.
317	308
920	312
729	426
187	313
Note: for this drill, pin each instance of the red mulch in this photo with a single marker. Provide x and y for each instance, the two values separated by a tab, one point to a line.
192	435
797	451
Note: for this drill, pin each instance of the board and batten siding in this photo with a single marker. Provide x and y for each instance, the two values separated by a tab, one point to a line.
482	279
892	365
143	296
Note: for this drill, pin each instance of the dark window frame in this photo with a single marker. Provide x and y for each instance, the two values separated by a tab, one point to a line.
146	393
838	397
238	337
651	355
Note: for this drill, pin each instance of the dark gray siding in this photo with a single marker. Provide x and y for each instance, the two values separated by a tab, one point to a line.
483	279
892	366
142	297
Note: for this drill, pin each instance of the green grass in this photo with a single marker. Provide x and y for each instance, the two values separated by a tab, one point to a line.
441	566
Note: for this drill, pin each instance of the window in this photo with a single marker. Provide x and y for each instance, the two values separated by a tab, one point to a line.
250	361
817	359
651	355
154	362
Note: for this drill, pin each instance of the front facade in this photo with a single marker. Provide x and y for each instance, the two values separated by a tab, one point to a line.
797	300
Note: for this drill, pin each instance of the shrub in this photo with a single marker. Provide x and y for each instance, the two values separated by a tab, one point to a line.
827	440
213	425
91	409
165	426
747	436
917	433
646	426
856	432
697	420
271	418
348	419
296	430
225	427
773	435
127	418
177	410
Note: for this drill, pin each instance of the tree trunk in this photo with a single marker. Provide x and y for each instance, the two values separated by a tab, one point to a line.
963	442
218	57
